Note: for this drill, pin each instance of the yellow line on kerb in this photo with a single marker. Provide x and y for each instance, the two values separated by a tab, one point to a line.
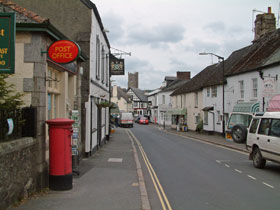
160	192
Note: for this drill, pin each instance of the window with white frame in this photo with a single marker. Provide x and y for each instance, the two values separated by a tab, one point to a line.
214	91
163	99
97	58
135	104
196	100
208	92
241	88
102	64
107	70
255	87
219	116
197	118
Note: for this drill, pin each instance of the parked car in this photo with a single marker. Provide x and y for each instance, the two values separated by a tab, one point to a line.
263	139
237	126
137	119
144	120
126	119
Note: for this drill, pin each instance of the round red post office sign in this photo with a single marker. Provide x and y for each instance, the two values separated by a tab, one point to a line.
64	51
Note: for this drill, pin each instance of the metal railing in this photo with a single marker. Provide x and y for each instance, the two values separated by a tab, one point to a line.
18	123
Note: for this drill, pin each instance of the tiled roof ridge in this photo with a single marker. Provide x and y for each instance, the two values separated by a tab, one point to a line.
33	16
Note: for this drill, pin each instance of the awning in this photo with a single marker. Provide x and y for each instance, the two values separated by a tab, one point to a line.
208	108
274	104
177	111
247	107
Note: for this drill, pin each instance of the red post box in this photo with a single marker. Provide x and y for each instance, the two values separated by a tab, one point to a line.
60	167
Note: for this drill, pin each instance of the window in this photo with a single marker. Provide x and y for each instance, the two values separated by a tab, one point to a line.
219	116
264	126
205	118
102	64
254	126
107	70
255	87
163	99
243	119
214	91
197	118
196	100
275	128
135	104
97	57
208	92
241	88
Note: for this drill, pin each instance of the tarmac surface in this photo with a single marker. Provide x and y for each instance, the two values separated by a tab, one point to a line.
112	178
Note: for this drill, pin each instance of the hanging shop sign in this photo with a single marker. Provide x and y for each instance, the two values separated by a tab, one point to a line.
7	43
64	51
269	87
116	65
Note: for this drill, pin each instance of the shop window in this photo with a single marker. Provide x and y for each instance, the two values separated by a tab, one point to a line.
241	88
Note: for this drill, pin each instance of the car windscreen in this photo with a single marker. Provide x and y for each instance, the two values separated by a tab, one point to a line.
242	119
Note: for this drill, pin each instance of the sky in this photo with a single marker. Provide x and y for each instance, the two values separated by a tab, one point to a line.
166	36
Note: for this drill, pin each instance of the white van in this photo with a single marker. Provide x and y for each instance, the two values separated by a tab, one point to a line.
126	119
263	138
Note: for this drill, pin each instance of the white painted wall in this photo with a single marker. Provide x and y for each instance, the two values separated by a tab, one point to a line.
232	91
95	90
214	117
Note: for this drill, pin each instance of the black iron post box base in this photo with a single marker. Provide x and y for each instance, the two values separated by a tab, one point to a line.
61	182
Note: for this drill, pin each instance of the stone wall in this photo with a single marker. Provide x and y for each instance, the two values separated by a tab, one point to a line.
18	170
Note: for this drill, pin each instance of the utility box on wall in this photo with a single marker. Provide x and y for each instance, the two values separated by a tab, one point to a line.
60	169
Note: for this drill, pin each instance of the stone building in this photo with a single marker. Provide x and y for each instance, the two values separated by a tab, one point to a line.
48	87
133	80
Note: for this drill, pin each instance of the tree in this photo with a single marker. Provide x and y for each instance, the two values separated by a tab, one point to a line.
9	98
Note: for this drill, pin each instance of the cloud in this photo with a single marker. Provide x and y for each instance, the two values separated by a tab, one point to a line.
114	23
135	64
157	35
216	27
198	45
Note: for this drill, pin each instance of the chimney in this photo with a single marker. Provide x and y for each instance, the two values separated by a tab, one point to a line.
264	23
184	75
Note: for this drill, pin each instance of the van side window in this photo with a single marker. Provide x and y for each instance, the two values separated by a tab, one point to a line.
275	128
254	125
264	126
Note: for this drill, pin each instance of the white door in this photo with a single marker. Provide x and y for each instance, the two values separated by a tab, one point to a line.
263	138
274	139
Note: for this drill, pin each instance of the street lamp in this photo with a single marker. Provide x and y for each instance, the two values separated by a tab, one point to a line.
223	68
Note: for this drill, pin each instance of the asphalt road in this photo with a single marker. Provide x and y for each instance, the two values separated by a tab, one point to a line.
195	175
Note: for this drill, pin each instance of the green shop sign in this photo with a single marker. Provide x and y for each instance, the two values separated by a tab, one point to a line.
7	43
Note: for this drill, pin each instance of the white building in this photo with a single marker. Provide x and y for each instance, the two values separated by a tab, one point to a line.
97	116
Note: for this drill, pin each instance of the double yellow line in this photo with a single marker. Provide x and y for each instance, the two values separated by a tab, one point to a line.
160	192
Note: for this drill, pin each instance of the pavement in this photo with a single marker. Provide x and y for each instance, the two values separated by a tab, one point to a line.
112	178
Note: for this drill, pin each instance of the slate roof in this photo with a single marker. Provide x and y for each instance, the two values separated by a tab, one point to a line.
197	82
174	85
26	16
121	93
260	54
140	94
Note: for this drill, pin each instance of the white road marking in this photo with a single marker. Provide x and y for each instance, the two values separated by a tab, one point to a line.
115	160
268	185
226	165
218	161
254	178
238	171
